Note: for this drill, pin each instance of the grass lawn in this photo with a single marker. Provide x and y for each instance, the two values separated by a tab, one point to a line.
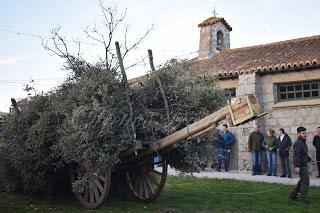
181	194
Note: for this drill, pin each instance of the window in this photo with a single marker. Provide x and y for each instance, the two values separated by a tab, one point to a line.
230	93
298	90
219	40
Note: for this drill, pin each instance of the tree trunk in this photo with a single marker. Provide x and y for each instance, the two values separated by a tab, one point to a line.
126	89
166	106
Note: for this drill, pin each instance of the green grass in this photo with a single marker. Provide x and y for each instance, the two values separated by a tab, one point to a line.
181	194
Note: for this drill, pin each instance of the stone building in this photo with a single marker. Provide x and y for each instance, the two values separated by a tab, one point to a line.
284	76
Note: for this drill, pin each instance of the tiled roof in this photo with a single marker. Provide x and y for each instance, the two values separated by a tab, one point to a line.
274	57
214	20
283	56
137	80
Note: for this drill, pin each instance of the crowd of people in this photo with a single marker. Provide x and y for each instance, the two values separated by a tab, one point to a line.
274	146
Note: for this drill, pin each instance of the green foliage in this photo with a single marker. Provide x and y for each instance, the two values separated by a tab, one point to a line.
26	158
190	98
86	118
93	129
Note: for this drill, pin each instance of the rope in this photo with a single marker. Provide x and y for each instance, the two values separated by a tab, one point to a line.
188	126
257	192
245	163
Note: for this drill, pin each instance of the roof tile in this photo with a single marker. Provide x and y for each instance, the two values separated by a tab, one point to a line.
277	56
214	20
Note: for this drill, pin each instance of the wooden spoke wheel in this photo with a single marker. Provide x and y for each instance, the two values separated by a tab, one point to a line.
96	187
146	182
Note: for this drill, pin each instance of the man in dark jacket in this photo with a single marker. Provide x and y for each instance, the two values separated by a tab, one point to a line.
284	143
228	143
300	161
255	147
219	154
316	143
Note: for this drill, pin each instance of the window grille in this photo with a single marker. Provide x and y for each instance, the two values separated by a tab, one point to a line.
298	90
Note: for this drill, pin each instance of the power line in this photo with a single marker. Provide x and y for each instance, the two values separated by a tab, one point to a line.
23	83
39	36
190	53
167	50
34	79
178	56
10	82
42	37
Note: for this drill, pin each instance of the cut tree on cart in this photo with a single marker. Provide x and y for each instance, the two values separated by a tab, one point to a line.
144	168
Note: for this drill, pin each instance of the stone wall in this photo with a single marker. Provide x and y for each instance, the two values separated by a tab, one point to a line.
229	83
226	37
205	42
208	40
240	157
248	84
292	114
288	115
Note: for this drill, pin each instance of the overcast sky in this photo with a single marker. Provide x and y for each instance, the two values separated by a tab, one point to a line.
175	33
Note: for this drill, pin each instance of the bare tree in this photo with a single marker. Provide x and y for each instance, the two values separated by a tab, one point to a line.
112	20
113	59
58	46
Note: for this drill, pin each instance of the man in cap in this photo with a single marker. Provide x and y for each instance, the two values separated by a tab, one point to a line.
300	161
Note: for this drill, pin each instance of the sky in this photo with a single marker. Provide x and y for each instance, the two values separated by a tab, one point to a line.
175	32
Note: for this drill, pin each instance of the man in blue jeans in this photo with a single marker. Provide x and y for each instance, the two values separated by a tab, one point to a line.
228	143
255	147
284	143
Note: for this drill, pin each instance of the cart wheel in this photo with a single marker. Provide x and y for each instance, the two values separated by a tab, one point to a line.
146	182
95	189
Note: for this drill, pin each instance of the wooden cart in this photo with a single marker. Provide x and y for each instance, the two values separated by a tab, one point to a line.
137	166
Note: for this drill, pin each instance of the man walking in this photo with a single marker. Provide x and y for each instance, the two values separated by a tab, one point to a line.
300	161
228	141
316	143
255	147
284	143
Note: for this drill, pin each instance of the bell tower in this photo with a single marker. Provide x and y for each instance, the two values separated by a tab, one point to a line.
214	36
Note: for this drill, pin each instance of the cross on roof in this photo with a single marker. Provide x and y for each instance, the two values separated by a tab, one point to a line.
214	11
